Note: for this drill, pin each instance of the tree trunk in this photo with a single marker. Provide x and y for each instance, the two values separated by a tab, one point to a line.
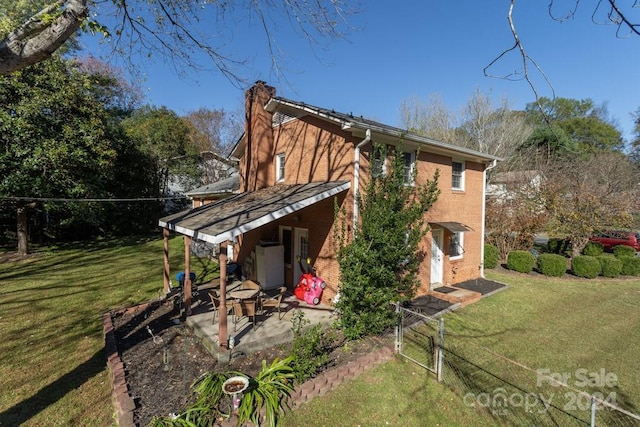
23	231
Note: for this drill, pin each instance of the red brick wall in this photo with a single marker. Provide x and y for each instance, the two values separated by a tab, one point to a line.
317	151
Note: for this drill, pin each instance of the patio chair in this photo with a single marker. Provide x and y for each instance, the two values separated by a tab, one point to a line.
215	302
250	284
274	302
243	308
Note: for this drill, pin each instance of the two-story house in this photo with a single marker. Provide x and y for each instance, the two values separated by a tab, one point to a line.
298	160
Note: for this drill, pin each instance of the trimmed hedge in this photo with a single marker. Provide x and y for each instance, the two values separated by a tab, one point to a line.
630	265
611	266
593	249
521	261
586	266
552	265
491	256
558	246
624	250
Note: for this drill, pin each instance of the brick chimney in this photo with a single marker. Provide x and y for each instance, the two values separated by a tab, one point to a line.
259	144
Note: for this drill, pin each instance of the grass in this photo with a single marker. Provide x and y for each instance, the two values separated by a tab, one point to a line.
52	361
561	324
52	365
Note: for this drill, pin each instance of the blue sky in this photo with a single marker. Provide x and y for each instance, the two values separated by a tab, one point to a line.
418	48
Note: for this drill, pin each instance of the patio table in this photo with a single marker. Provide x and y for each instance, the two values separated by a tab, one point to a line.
244	294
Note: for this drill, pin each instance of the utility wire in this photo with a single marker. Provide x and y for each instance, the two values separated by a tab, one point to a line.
58	199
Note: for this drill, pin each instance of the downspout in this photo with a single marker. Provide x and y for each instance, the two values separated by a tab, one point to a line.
484	203
356	177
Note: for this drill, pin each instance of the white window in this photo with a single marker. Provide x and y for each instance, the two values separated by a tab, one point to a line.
280	167
409	162
456	246
457	175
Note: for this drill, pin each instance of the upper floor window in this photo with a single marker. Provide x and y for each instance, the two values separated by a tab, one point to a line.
378	161
280	167
456	245
409	164
457	175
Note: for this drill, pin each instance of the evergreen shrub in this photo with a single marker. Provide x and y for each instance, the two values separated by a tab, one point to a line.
522	261
557	246
624	250
593	249
491	256
552	265
586	266
630	265
611	266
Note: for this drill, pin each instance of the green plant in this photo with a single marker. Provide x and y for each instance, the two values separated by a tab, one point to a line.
522	261
491	256
270	390
379	262
552	265
593	249
623	251
310	348
586	266
630	266
611	266
558	246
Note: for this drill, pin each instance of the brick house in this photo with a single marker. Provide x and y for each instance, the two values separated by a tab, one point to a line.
297	161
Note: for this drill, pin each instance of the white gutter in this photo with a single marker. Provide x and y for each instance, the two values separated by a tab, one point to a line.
356	177
484	203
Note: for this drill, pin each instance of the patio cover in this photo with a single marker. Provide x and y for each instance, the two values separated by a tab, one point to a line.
227	218
454	227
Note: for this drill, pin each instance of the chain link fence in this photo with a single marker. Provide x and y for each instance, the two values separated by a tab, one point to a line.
513	393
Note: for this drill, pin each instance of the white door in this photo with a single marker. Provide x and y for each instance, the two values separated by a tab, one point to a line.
300	252
437	257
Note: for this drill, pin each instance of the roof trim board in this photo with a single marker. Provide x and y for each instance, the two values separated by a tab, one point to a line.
213	232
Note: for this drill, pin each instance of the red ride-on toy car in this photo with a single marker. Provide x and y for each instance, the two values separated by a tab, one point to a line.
310	286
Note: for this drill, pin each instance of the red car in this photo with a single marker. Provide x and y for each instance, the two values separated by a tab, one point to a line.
613	238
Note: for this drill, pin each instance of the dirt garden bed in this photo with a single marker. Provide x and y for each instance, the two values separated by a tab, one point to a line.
162	357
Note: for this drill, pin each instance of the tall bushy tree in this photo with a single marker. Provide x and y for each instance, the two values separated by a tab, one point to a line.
379	265
583	122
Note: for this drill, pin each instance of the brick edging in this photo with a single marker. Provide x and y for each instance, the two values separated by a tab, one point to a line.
331	378
318	386
122	400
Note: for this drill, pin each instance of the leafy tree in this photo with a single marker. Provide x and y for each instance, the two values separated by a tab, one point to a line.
32	30
586	124
379	265
62	139
54	134
164	136
635	144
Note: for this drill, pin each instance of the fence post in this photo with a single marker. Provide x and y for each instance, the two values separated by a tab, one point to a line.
398	327
593	411
440	348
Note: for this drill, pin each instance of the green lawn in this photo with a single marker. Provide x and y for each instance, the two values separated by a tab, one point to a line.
52	362
52	365
560	325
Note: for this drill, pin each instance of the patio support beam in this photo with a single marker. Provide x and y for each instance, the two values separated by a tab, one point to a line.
187	275
165	236
222	310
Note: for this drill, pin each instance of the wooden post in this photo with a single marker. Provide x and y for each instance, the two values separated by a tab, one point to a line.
187	274
165	236
222	310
